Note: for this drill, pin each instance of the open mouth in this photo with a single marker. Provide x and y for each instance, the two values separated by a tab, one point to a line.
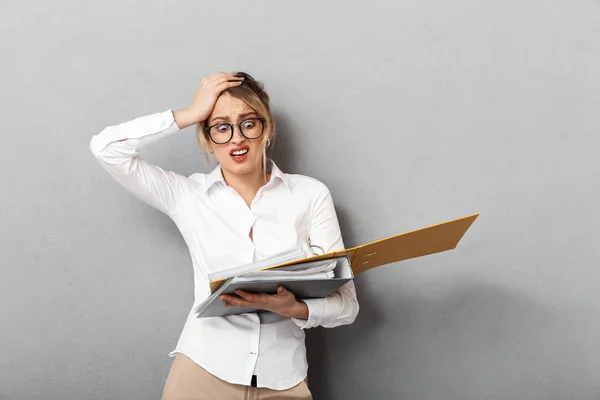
239	154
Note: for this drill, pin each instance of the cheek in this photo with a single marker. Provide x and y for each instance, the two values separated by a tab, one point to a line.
256	149
221	152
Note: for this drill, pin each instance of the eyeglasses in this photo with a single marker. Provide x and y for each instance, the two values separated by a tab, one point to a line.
222	133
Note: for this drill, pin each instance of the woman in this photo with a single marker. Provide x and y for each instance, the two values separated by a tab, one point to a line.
244	210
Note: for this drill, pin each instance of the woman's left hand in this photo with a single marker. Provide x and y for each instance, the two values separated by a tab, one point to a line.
284	302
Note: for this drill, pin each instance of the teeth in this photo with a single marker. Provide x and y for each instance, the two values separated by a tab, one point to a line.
239	152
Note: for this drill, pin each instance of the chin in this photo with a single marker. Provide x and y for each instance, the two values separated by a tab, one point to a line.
244	168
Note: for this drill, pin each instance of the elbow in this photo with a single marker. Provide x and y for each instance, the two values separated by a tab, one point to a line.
95	146
98	143
102	146
347	314
350	305
354	309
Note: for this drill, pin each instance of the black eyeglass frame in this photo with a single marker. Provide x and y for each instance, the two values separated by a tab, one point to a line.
262	124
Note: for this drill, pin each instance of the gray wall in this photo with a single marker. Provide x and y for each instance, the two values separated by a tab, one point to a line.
412	112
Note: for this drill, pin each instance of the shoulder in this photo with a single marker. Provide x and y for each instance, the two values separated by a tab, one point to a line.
307	185
198	179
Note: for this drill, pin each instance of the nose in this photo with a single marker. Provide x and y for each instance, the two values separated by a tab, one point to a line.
237	135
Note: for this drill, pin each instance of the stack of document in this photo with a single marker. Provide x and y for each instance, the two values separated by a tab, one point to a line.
300	272
280	258
311	279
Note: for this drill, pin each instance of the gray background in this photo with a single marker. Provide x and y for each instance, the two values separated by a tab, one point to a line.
412	112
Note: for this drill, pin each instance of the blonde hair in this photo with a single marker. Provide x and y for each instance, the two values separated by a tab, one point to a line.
252	93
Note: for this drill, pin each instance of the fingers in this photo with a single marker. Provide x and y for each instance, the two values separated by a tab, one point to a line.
234	301
285	294
221	77
251	297
245	299
257	300
221	81
262	301
207	94
226	85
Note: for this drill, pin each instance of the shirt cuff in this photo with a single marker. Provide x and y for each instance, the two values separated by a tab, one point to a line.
316	310
145	129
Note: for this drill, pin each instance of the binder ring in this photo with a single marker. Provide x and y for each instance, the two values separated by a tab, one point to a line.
318	247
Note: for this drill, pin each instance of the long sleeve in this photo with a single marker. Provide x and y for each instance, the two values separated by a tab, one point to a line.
341	307
159	188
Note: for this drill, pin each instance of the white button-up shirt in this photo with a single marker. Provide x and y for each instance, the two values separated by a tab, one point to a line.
215	222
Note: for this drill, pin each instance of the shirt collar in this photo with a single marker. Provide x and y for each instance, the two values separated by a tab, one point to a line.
213	177
276	173
216	176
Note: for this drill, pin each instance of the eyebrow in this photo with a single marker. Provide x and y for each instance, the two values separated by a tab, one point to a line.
245	115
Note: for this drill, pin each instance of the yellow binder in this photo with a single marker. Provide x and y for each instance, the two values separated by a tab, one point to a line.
417	243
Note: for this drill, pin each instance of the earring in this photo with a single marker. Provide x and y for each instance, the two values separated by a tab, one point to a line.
268	142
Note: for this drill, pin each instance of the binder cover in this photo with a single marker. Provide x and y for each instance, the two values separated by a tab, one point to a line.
421	242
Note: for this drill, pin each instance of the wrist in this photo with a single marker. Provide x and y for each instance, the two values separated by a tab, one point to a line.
298	310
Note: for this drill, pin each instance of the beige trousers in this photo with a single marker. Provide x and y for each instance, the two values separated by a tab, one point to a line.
189	381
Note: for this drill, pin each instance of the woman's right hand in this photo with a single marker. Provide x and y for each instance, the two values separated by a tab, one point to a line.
205	98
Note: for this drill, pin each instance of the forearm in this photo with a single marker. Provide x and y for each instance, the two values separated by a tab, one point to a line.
185	117
112	141
339	308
